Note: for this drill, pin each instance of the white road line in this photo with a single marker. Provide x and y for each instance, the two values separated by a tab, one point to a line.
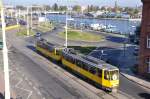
39	93
18	83
34	88
30	83
26	78
29	95
23	75
29	91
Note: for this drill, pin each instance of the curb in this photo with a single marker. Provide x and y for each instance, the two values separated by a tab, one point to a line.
134	81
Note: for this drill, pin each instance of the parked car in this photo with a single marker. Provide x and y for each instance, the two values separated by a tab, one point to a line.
136	51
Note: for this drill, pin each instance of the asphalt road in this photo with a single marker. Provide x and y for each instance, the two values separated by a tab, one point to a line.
133	89
54	38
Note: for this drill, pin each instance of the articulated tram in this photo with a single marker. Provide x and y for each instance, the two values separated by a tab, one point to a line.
49	49
98	71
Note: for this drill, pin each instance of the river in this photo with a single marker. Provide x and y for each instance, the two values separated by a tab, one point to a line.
122	26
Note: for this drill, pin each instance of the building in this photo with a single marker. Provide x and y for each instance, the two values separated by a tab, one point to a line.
144	57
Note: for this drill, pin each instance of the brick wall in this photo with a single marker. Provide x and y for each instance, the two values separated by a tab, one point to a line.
145	31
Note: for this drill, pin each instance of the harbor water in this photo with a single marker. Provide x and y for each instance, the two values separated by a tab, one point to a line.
122	26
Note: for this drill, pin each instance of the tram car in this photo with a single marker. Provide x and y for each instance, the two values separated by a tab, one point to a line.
103	74
98	71
48	49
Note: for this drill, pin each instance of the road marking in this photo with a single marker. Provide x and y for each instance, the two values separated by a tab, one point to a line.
29	91
30	83
17	69
34	88
23	75
26	78
29	95
18	83
39	93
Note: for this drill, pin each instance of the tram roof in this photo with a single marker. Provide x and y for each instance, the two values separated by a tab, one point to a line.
50	44
98	63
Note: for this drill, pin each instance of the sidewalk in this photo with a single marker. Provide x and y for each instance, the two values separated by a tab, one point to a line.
129	75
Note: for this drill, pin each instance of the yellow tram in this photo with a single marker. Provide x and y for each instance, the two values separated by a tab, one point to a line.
106	75
49	49
103	74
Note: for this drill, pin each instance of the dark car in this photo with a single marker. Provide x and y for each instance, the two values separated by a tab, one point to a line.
21	22
136	51
38	34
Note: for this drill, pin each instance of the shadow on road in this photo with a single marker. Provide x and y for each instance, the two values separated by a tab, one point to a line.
31	48
116	39
145	95
2	96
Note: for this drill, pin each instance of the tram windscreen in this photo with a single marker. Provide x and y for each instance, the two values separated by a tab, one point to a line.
114	75
111	75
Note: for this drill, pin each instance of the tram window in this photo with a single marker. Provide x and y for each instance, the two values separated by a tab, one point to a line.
72	60
85	66
50	49
92	70
67	58
114	75
79	63
99	72
58	52
106	75
44	46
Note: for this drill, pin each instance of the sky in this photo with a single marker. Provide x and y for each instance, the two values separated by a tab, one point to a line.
130	3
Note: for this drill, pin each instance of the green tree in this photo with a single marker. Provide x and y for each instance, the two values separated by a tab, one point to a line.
136	37
46	7
20	7
62	8
77	8
103	8
55	7
136	11
88	8
138	31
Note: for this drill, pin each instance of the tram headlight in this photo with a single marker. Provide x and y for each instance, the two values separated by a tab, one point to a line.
114	77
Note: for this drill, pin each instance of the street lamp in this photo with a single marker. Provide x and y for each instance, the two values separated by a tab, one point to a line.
102	54
28	27
66	28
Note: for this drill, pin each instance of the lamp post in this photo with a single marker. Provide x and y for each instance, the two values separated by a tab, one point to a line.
5	54
28	31
66	29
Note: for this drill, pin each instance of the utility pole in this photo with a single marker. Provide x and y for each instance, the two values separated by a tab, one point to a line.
16	15
66	29
5	54
28	21
31	17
